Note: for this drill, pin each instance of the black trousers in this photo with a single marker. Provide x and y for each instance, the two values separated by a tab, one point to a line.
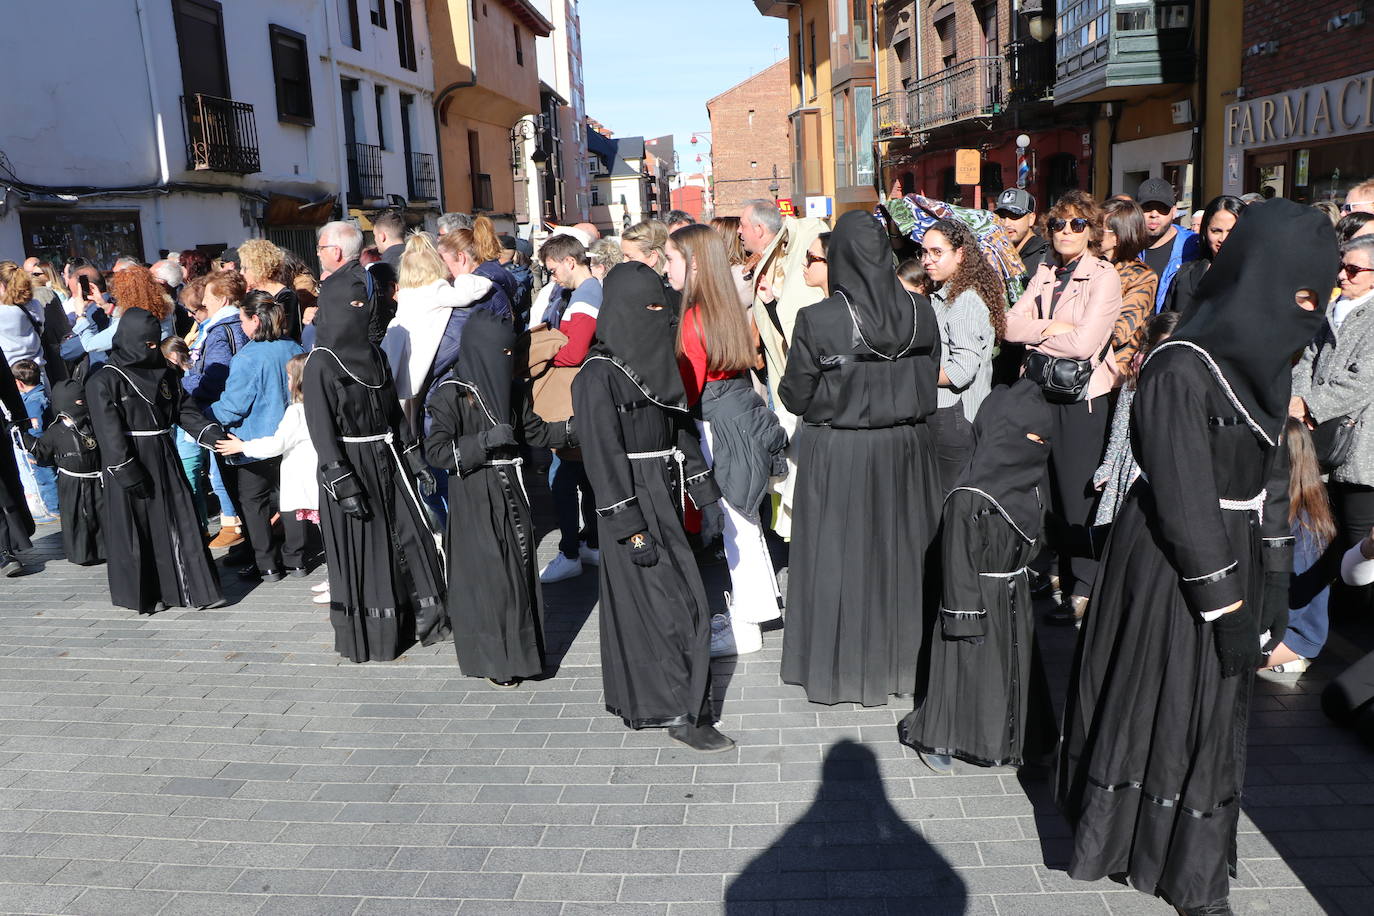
297	543
1079	436
952	434
257	487
1353	506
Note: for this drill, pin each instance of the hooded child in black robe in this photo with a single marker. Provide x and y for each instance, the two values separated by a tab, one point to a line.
642	454
494	603
861	373
157	556
986	700
1196	566
385	575
16	522
69	445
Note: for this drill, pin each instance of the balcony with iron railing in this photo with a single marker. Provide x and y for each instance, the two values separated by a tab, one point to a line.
420	180
890	114
971	88
364	173
221	135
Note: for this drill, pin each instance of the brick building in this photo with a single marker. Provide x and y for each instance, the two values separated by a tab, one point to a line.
1301	124
751	146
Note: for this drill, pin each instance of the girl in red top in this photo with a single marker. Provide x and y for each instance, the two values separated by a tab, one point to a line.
714	351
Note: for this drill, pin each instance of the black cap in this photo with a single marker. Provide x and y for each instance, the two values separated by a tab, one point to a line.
1155	191
229	255
1016	201
507	242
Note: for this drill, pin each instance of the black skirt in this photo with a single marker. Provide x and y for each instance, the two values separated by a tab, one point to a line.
865	511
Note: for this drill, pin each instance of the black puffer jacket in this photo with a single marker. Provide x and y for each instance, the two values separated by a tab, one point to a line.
747	443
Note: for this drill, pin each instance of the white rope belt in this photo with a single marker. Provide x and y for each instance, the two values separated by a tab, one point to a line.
503	462
406	482
664	453
677	456
1006	575
142	433
380	437
84	475
1253	504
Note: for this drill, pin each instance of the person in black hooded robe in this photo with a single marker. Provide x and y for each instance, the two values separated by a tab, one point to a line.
986	700
69	445
16	522
385	574
861	373
642	454
1196	567
157	556
496	610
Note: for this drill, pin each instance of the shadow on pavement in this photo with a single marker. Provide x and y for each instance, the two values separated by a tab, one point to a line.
850	845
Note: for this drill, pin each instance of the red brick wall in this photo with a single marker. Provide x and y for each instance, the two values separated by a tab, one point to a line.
968	34
736	142
1307	53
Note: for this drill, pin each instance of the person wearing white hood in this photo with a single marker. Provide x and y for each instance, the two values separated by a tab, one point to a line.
426	303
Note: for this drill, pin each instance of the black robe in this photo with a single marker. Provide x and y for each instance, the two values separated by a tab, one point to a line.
79	489
655	622
385	575
1153	756
494	602
154	545
987	700
14	507
865	507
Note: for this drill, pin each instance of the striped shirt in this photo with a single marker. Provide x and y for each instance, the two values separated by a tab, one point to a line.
966	339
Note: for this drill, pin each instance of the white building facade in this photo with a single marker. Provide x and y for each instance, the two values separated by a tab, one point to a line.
206	123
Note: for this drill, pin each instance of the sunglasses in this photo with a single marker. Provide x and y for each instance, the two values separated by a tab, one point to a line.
1077	224
814	259
1354	270
1350	208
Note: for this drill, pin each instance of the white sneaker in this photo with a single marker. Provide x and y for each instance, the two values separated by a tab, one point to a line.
591	556
322	597
320	587
734	637
560	568
1297	666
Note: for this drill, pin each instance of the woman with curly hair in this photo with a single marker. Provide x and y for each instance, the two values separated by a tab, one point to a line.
968	306
195	263
130	288
262	263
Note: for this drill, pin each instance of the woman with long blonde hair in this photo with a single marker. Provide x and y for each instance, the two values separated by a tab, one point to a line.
740	437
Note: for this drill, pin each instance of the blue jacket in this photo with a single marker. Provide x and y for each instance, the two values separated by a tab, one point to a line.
256	393
524	293
1187	247
503	290
220	338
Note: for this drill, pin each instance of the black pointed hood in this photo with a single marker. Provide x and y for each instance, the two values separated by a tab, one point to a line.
1246	318
1006	465
137	351
69	399
638	338
485	361
859	257
342	329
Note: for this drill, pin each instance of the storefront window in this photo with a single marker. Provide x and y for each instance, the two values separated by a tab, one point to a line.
98	235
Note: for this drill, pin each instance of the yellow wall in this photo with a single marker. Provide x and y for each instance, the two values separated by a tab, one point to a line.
1223	76
817	11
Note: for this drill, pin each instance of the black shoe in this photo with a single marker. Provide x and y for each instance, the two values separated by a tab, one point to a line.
252	573
217	603
702	738
10	565
297	572
1220	907
513	682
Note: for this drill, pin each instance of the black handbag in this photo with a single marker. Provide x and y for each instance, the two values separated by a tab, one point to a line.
1333	440
1063	380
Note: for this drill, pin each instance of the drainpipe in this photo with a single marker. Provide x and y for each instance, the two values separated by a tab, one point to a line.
1203	14
448	90
163	169
330	30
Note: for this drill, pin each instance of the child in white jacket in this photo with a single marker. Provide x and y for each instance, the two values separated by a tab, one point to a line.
299	488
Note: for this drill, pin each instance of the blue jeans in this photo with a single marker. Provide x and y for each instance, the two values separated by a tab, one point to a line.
47	487
566	477
194	466
221	490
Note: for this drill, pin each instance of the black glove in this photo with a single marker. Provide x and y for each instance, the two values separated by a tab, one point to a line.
1237	641
355	506
712	522
643	550
497	436
139	489
1274	612
425	478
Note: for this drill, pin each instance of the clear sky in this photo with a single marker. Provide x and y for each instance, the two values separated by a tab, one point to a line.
648	68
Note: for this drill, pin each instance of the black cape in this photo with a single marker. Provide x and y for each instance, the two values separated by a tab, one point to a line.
385	574
69	445
655	622
987	700
153	542
866	503
14	507
494	603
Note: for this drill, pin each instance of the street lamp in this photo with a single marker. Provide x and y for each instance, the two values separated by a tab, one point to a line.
1039	15
773	186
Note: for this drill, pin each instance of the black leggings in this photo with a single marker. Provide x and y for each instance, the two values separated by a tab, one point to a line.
1079	435
257	487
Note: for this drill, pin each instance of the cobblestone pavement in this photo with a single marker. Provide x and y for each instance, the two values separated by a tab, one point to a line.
230	762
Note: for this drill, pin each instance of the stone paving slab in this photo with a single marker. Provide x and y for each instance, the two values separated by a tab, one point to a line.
230	762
